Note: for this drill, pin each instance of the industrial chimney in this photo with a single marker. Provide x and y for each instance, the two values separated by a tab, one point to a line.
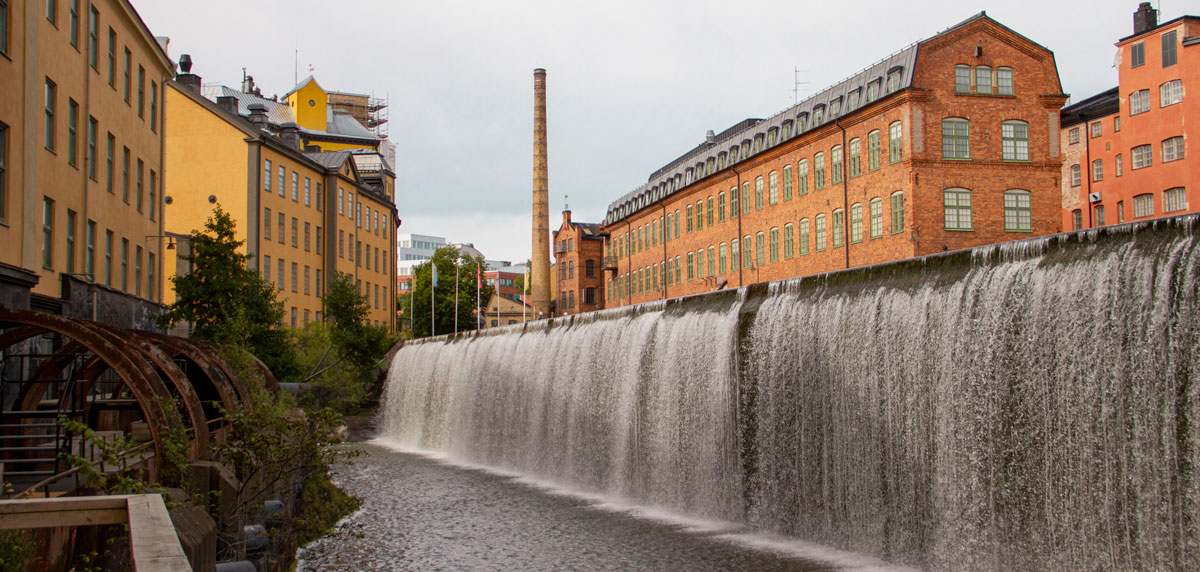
540	279
1145	19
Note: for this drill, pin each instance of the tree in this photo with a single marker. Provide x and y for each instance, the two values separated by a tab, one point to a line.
415	307
228	303
338	357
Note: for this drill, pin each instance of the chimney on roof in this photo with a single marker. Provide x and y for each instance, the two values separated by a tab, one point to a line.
567	216
248	85
710	137
258	115
290	133
1145	19
228	103
185	77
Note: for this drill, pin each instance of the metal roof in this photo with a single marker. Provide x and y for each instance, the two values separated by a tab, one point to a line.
1102	104
277	113
730	147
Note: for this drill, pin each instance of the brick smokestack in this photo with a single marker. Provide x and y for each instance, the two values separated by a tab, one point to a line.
1145	19
540	278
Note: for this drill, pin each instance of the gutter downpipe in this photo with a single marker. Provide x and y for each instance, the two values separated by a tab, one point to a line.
738	190
1087	162
845	193
662	205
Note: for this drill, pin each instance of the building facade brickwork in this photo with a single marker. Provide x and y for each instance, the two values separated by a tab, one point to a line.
577	271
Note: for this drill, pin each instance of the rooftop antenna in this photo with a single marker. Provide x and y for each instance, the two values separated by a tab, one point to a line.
296	67
796	83
566	206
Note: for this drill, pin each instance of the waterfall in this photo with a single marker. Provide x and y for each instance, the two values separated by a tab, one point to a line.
1021	406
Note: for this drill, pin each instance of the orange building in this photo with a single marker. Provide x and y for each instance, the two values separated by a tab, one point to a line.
1126	148
949	143
81	158
579	282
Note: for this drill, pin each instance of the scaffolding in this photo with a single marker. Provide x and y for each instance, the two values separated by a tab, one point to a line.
370	111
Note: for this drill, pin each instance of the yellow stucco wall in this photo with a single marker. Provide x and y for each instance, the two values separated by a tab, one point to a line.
309	104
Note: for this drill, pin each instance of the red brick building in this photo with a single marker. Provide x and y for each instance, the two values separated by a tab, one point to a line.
949	143
579	281
1125	149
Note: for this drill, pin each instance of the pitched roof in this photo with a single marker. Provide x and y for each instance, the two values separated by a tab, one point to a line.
304	82
277	113
1102	104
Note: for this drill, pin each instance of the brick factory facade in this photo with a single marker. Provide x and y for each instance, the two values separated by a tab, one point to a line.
579	281
1124	149
950	143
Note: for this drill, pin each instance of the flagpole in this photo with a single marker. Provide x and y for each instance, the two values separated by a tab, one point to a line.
456	267
432	288
478	286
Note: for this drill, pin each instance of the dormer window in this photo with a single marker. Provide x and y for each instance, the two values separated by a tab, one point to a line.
733	154
759	140
687	177
801	122
893	79
772	136
746	148
787	129
818	115
852	100
873	90
721	158
835	108
711	163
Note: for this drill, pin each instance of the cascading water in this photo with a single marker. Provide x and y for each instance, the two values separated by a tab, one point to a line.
1024	406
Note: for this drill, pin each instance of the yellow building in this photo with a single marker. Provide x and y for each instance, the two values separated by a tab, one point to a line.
303	212
81	155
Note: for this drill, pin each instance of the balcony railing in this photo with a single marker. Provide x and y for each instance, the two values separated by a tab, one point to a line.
610	262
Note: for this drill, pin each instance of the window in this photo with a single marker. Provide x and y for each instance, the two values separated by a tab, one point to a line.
802	177
47	233
1075	176
70	240
894	134
320	240
1168	49
1018	211
1120	165
774	234
789	249
141	96
1143	157
1173	200
818	114
4	26
1076	219
1098	215
835	167
709	211
140	169
308	192
873	150
3	165
855	160
1014	137
93	129
852	100
690	220
73	31
295	284
897	212
839	228
72	132
51	90
307	235
983	79
711	268
802	237
957	205
758	193
819	171
747	260
153	195
1170	93
872	91
282	176
1117	124
1172	149
734	259
1143	205
1073	135
876	217
691	266
154	107
108	257
267	225
94	40
856	222
722	258
720	209
820	230
295	186
89	255
124	264
1139	102
52	11
746	198
1120	211
125	174
759	249
835	108
1097	129
282	233
110	158
893	80
1098	170
137	271
787	182
962	78
772	189
1137	55
267	175
956	138
128	72
1004	81
112	57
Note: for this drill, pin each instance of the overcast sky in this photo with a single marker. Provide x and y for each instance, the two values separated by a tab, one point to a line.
631	84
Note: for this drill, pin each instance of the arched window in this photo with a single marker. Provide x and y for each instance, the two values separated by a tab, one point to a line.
774	234
839	228
788	246
758	193
956	202
747	247
802	236
820	230
802	177
835	167
895	142
876	217
722	258
855	158
1076	219
721	205
956	138
1174	200
819	171
1075	176
759	249
772	188
746	205
1018	211
1014	137
856	222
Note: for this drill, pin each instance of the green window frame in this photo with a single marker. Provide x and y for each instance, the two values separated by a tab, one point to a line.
839	228
962	78
1004	81
819	171
722	260
690	218
789	249
1014	137
819	227
734	256
787	182
802	177
708	212
1018	211
855	158
856	222
699	214
758	193
691	266
802	236
760	240
772	188
876	207
721	206
956	203
835	164
895	142
873	150
746	198
712	261
774	236
747	248
956	139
